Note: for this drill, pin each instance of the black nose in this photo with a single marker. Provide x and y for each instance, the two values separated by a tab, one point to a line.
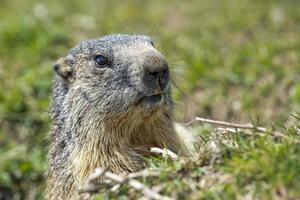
156	71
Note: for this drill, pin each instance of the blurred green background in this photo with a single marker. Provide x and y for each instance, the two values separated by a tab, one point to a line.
233	60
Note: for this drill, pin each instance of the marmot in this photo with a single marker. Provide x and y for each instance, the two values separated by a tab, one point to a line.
111	104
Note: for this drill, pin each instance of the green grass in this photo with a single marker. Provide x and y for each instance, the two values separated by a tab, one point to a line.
234	60
228	166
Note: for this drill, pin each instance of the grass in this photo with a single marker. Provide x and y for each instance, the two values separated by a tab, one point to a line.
228	166
234	60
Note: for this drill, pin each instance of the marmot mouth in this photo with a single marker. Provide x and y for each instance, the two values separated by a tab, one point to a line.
152	100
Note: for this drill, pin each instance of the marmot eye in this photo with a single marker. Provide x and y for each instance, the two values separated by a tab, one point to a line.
101	60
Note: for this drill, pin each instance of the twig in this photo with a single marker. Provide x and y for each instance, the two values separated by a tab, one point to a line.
143	173
165	153
228	124
137	185
95	176
259	129
234	130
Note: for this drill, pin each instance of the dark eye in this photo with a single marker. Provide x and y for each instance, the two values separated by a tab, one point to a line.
152	43
101	60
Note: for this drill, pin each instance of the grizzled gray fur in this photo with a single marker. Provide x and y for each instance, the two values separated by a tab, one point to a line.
111	104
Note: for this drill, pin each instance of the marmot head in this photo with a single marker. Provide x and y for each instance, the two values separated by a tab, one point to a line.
117	75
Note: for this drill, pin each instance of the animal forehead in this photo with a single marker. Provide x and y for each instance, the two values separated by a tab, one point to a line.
109	43
124	39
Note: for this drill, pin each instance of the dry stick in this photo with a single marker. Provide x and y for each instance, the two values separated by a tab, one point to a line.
95	176
143	173
137	185
92	186
235	130
222	123
234	125
164	152
102	173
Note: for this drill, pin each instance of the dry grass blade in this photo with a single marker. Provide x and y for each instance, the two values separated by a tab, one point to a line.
101	173
143	173
228	124
165	153
258	129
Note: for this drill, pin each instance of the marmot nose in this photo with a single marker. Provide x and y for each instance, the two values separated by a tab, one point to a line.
156	71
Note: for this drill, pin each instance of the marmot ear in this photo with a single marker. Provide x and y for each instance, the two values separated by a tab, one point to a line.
64	67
